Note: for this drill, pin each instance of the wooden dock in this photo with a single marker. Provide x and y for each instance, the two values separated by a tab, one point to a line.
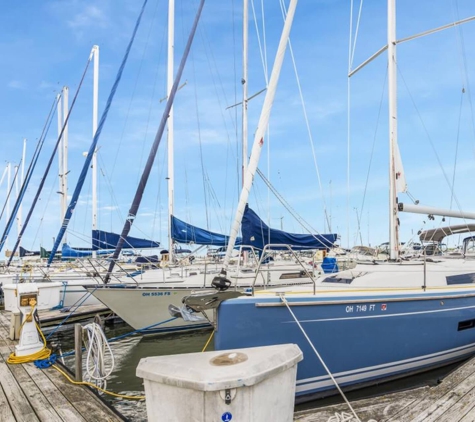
51	318
29	394
453	400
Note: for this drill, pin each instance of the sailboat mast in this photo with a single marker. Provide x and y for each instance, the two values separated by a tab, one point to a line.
59	99
95	99
153	152
171	169
260	132
245	42
392	95
22	181
65	151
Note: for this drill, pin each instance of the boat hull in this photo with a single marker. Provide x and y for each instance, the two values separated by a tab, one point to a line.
146	308
363	340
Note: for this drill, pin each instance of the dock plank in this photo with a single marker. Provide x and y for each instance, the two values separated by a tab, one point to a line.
19	404
469	417
30	394
435	394
55	396
6	414
45	397
84	400
366	409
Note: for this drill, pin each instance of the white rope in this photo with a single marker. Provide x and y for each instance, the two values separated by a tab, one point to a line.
282	297
97	348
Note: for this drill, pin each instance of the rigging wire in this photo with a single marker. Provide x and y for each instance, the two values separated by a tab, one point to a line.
289	208
307	124
10	190
371	155
259	43
203	177
463	65
351	53
456	149
132	97
220	92
348	126
430	141
356	34
42	182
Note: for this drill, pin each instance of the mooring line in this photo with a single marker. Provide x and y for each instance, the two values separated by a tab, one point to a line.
282	297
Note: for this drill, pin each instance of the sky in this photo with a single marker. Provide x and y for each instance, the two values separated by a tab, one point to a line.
45	46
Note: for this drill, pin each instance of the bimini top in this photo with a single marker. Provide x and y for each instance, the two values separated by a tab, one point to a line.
436	235
256	233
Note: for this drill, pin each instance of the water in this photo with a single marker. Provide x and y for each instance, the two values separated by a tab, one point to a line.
128	352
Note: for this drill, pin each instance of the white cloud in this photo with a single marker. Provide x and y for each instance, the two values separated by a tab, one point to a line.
16	85
90	16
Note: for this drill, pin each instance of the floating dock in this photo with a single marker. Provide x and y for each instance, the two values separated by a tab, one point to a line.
451	400
31	394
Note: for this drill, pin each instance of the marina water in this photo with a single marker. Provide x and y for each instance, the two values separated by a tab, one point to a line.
129	350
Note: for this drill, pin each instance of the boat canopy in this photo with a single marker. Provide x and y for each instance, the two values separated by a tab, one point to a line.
436	235
186	233
107	240
256	233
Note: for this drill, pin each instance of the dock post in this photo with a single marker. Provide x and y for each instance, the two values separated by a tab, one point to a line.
78	352
15	325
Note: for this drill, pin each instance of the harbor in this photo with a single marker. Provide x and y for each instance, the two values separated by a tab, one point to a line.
237	227
38	394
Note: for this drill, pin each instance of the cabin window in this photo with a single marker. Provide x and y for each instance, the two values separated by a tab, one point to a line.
335	279
300	274
465	325
461	279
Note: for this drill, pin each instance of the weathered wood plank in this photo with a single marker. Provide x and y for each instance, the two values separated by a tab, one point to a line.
55	396
469	417
454	405
46	399
19	404
372	408
84	400
32	394
6	414
82	311
434	394
35	396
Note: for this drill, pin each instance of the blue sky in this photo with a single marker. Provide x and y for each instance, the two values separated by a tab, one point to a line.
45	46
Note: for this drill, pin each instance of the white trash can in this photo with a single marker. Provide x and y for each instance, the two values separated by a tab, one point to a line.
242	385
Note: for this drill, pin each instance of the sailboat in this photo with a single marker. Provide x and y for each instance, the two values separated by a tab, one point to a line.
372	323
150	312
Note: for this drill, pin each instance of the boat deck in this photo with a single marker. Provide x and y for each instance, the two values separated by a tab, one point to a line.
451	400
31	394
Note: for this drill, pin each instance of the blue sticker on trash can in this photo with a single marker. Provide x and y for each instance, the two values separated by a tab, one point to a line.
226	417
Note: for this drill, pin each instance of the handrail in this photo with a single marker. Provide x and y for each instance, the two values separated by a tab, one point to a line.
269	247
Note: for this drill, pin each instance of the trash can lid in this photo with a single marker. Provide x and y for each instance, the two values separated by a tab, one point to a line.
218	370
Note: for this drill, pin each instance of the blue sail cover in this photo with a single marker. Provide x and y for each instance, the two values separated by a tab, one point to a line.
256	233
69	253
107	240
186	233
